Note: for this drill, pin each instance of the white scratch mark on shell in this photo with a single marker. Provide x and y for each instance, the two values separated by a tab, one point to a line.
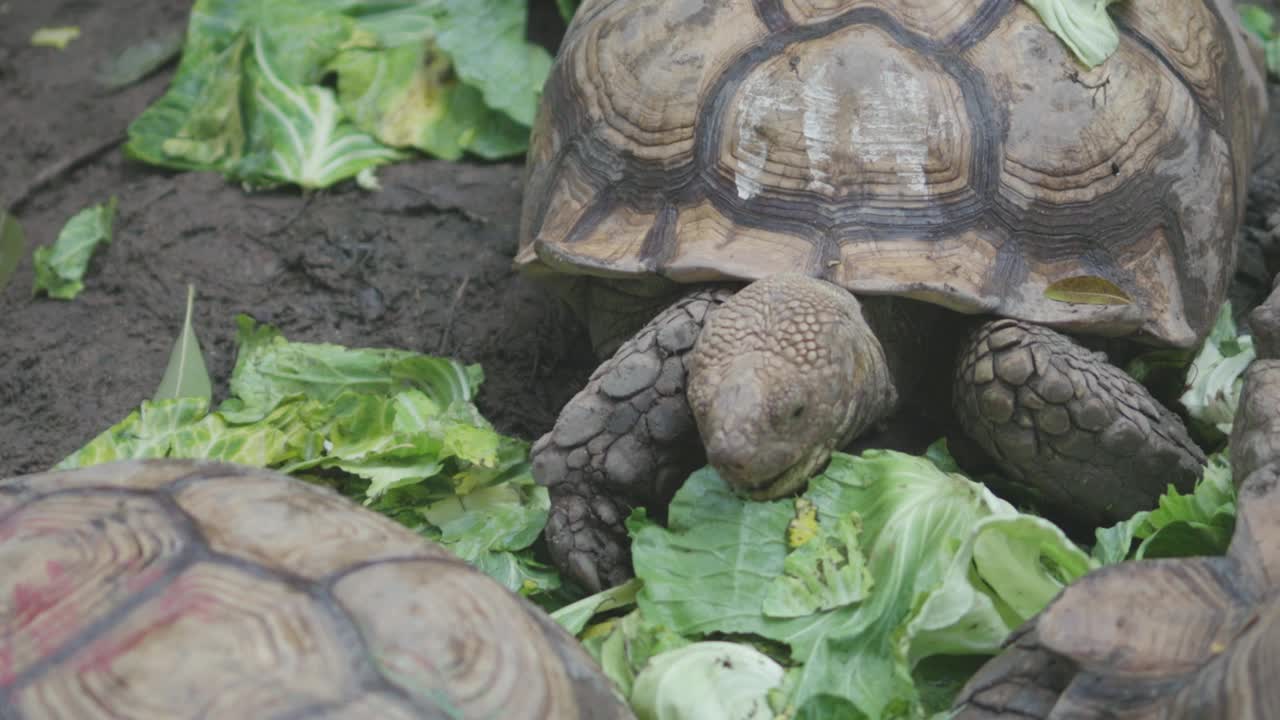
753	146
893	121
821	105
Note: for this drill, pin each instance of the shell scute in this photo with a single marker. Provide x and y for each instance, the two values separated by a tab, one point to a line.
951	152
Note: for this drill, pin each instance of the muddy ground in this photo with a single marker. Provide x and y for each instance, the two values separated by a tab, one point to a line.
424	265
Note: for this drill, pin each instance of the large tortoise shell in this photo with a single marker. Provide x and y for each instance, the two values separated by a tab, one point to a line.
948	150
173	590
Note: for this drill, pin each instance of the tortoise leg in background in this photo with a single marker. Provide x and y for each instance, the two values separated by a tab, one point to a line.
627	439
1183	638
1068	425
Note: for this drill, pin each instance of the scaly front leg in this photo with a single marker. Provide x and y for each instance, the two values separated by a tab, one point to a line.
627	439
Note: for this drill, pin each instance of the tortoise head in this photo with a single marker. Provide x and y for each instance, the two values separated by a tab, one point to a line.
783	373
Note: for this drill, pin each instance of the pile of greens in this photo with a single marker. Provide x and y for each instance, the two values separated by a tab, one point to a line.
313	92
875	594
394	429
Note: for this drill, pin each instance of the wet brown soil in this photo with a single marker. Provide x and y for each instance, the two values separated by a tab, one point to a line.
423	265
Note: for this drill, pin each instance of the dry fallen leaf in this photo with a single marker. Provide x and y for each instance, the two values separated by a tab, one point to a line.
1087	290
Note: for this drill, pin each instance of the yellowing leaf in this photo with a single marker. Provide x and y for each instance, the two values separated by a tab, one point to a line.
804	526
186	375
55	37
1087	290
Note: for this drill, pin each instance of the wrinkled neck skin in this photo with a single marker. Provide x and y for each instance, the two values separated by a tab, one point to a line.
783	373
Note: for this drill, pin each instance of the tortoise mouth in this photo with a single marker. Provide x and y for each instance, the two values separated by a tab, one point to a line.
786	482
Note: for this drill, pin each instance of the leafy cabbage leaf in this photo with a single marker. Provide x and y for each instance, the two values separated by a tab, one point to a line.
709	680
311	93
392	428
1216	375
950	570
1261	23
1083	25
1200	523
60	267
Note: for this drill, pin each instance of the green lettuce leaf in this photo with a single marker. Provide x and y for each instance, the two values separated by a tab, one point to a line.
624	646
1200	523
60	267
147	432
392	428
823	573
1083	25
952	570
254	94
299	134
269	369
1216	374
707	680
485	39
575	616
1260	22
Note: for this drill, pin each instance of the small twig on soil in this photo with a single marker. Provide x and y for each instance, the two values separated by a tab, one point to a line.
306	203
61	168
453	307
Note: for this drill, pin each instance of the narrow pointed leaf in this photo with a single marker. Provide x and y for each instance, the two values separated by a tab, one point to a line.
1087	290
186	375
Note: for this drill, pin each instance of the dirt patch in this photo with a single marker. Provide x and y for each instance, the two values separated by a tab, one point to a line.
424	265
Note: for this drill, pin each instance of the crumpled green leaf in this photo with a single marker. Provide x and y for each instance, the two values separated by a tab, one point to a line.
254	94
270	368
1216	375
147	432
954	569
60	267
1261	23
706	680
824	572
1199	523
298	134
624	646
1083	25
575	616
401	425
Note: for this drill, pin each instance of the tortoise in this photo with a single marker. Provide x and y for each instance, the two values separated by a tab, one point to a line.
777	218
177	589
1174	638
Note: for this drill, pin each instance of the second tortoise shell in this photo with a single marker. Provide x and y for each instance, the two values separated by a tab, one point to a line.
954	152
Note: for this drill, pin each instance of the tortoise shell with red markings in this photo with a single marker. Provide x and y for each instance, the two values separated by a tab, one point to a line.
178	590
953	152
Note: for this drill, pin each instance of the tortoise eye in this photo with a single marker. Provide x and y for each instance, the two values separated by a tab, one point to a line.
798	412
